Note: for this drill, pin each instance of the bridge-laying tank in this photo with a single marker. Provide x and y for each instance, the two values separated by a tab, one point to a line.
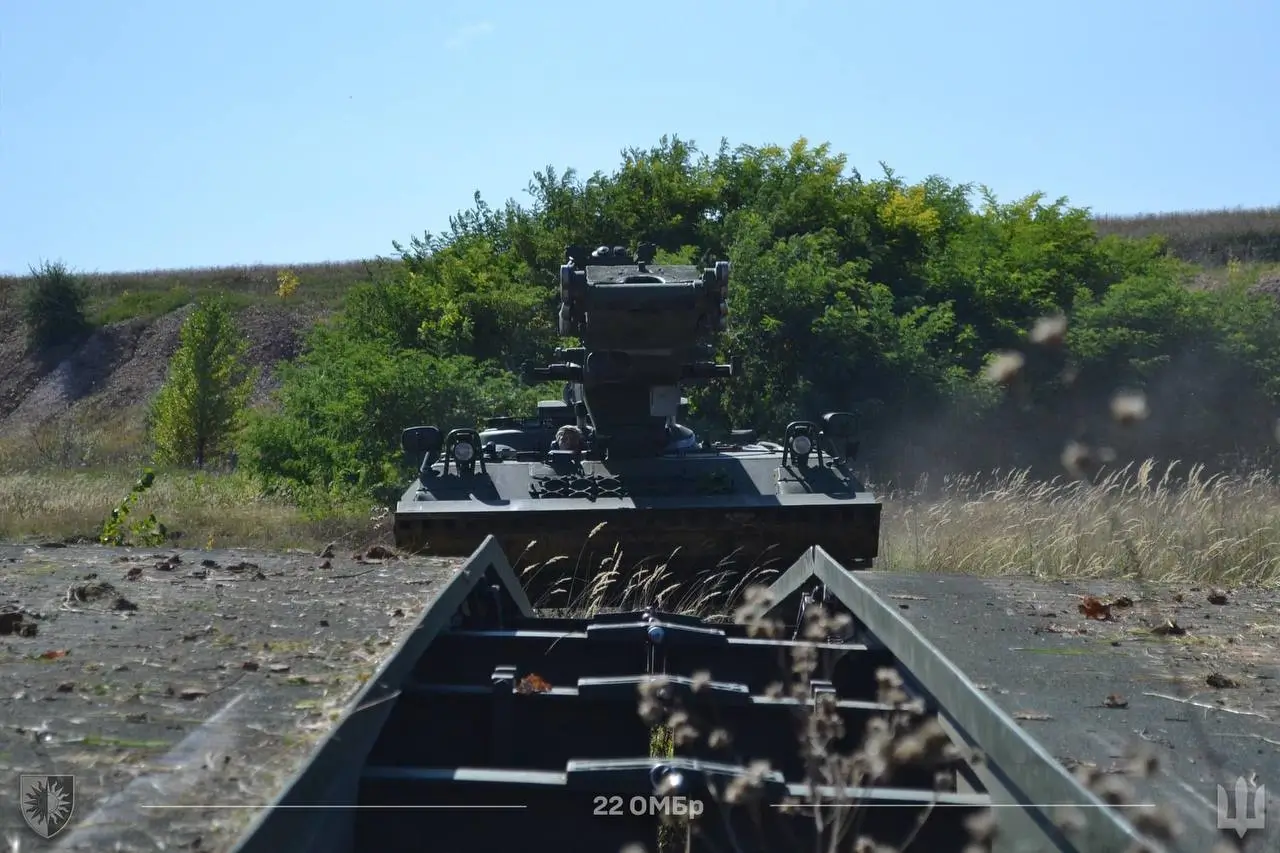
614	450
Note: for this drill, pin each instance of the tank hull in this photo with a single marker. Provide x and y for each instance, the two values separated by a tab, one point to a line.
764	517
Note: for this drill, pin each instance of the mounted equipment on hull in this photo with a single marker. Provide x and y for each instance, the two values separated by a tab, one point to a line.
613	448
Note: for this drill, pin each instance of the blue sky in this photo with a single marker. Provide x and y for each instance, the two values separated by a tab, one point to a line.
141	134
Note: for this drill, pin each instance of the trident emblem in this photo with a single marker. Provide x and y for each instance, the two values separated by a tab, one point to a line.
1242	822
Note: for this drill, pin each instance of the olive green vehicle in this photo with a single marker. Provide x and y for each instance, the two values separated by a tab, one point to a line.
613	449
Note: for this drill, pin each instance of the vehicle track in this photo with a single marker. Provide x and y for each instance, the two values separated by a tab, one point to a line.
491	726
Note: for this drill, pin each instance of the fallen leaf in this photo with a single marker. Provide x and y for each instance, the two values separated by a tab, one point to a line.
278	667
1092	608
1115	700
54	654
533	683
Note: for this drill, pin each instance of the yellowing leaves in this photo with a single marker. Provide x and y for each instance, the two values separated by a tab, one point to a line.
909	211
286	283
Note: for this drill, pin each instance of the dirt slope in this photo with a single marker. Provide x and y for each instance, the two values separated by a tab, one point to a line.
122	365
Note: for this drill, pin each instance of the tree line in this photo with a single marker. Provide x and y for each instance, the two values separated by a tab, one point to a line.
867	294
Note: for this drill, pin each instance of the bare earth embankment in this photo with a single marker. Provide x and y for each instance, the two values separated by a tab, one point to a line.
183	677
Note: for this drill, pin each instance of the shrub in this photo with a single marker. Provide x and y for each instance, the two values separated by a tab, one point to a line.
54	306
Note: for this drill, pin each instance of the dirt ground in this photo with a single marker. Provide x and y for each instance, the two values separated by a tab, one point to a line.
1101	671
183	677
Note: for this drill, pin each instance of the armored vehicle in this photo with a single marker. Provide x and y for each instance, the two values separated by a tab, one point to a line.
614	449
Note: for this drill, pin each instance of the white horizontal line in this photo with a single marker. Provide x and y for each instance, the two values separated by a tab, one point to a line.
924	803
338	806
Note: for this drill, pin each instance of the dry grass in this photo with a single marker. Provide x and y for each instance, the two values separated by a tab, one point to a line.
1137	523
116	296
1206	236
1140	523
207	510
908	736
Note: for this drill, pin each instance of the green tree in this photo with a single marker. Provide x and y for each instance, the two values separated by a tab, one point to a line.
54	306
198	408
870	294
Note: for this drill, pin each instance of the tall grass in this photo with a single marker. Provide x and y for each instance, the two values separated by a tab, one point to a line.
1139	523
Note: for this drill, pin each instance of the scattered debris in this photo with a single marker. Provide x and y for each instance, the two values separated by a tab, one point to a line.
1006	367
90	591
1049	331
1093	608
14	622
379	552
1031	715
1129	407
1170	628
1207	706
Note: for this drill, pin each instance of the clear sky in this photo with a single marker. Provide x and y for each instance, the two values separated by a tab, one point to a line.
139	134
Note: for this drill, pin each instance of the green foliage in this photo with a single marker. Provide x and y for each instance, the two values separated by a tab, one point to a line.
871	295
54	306
342	407
200	404
118	530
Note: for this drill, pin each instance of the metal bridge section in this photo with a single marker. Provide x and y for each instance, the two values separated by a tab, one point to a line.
493	729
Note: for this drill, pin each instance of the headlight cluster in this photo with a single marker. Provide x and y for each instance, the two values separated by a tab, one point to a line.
463	451
801	445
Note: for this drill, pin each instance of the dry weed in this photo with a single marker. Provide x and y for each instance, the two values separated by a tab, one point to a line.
222	510
1135	523
907	737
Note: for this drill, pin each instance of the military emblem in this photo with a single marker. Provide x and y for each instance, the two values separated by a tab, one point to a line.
47	802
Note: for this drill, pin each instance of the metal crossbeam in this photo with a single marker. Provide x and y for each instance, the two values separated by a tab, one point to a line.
491	727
